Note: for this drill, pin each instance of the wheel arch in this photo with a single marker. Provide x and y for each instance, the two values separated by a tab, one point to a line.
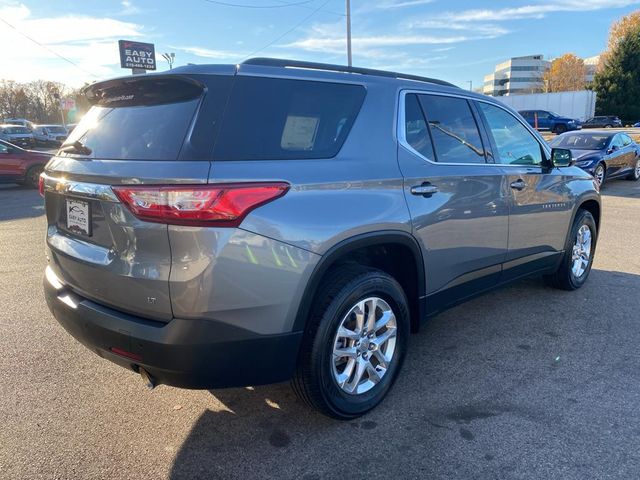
360	246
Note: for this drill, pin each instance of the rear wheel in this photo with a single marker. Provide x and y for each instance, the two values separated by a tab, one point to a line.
32	176
635	173
578	256
608	126
354	344
560	129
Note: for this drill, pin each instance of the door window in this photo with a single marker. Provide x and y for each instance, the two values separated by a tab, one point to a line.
617	142
514	143
453	128
415	128
626	140
3	148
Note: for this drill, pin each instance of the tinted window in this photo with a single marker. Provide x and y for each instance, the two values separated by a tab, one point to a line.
580	141
269	118
56	130
617	141
416	132
453	129
3	148
515	144
17	130
137	120
626	140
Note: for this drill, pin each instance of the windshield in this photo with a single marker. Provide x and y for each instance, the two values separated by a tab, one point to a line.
56	129
581	141
16	130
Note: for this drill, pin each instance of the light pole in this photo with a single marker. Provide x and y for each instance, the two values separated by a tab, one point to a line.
170	58
349	32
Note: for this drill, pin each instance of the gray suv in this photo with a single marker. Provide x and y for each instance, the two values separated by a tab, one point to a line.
232	225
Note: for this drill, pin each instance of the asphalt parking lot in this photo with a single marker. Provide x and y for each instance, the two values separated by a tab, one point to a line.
525	382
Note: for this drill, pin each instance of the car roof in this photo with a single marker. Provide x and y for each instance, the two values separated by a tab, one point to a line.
12	125
581	133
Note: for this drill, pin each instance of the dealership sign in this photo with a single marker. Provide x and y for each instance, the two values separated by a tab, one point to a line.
137	55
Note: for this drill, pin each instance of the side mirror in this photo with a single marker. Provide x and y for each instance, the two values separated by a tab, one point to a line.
561	157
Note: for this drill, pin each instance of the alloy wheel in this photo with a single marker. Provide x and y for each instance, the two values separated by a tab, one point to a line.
599	174
364	346
581	252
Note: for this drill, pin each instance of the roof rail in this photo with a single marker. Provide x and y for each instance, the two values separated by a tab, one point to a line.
278	62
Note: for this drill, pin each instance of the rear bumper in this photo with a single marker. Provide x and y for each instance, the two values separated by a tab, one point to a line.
182	353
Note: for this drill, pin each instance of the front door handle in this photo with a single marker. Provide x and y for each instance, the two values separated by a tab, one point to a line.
424	189
518	185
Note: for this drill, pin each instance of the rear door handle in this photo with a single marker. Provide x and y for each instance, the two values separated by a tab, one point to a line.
424	189
518	185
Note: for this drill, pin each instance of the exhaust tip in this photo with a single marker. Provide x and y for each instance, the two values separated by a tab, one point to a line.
149	381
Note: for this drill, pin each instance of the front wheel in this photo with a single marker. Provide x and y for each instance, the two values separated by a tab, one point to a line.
560	129
599	174
33	176
578	256
635	173
354	344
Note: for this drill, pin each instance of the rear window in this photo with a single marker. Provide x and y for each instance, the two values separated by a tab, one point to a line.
269	118
136	120
56	130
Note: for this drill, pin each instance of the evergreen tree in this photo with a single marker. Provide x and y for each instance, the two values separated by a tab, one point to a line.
617	84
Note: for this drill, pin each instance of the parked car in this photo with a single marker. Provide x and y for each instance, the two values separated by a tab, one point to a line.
70	127
636	125
23	122
605	155
49	135
18	165
545	120
222	237
17	135
608	121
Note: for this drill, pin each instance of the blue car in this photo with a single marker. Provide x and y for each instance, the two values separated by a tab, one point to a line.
605	155
548	121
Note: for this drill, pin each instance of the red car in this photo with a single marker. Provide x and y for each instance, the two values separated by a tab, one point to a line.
21	166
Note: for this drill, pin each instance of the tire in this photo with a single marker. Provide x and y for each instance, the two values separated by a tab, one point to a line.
608	126
635	173
560	129
316	380
596	174
32	176
565	277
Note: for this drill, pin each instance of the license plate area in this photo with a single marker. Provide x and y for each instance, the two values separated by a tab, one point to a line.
78	216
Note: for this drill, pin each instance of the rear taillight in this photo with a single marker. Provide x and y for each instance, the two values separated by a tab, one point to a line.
41	184
223	205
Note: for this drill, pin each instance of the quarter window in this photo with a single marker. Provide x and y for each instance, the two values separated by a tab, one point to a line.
453	128
514	143
626	140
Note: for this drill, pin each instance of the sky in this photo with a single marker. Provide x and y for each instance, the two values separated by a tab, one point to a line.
455	40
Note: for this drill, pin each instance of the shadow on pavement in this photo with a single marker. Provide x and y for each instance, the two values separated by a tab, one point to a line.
621	188
520	383
17	202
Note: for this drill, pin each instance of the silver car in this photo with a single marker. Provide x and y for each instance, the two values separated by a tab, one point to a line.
17	135
226	225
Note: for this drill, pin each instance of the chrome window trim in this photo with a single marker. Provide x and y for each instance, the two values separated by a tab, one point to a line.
63	186
402	140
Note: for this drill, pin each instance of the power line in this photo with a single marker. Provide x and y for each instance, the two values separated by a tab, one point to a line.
295	27
47	48
281	5
311	8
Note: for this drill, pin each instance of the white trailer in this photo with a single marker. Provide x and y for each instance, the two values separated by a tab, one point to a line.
580	104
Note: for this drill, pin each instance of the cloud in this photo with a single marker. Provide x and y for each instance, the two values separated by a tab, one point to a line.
89	42
209	53
391	4
128	8
532	11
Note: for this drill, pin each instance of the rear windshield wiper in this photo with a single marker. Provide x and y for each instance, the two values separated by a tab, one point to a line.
76	147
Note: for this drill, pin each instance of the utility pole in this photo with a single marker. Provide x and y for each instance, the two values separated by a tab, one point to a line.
349	62
470	82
